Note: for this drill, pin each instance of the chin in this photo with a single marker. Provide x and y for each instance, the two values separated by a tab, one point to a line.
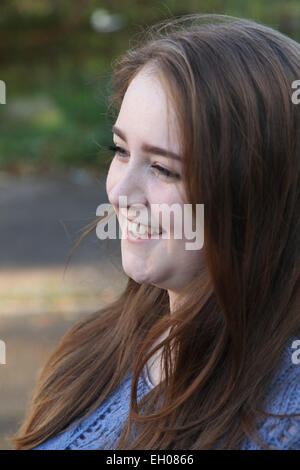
137	275
140	279
140	274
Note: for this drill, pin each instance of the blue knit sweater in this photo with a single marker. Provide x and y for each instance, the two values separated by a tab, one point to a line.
102	428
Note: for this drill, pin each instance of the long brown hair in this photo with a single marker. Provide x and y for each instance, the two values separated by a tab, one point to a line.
229	80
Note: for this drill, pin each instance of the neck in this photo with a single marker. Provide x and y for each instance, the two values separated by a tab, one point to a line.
153	365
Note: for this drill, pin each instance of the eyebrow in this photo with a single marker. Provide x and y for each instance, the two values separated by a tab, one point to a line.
148	148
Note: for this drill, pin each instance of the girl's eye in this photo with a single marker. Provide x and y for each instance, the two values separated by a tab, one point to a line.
115	148
163	171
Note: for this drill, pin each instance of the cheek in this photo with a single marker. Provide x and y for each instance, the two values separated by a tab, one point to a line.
189	261
164	196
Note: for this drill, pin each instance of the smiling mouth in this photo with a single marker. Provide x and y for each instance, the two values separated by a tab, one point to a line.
141	230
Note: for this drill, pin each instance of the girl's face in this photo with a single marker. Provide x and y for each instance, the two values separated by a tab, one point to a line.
145	177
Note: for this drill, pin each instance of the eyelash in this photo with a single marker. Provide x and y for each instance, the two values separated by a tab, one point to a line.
164	171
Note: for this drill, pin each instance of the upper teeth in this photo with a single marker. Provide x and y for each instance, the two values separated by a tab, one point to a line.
140	229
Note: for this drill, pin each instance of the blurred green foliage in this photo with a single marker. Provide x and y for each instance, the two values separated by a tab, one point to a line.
57	67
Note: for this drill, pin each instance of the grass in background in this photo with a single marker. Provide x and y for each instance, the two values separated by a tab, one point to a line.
55	119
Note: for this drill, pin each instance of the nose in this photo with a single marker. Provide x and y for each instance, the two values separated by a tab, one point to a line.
127	186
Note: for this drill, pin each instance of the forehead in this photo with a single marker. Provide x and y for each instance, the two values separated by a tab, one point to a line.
145	113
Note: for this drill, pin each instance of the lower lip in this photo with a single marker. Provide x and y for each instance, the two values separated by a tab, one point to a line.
132	238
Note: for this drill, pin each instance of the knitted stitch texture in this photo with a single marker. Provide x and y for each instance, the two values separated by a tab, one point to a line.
103	427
